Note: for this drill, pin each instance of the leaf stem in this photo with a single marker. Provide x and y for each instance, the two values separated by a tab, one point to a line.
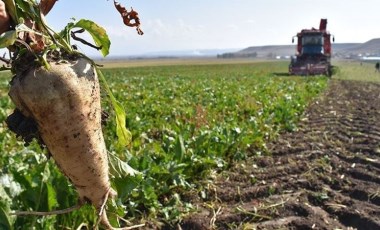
56	212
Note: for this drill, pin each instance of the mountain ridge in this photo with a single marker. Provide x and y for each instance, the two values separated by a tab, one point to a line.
369	48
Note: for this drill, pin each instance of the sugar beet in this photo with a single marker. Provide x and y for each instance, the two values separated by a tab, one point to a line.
64	102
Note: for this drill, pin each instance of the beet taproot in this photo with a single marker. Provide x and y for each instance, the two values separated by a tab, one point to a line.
64	102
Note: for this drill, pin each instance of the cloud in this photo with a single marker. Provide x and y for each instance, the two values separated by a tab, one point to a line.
158	35
250	21
232	27
176	29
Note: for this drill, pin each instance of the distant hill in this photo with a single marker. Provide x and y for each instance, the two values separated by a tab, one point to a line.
343	50
370	47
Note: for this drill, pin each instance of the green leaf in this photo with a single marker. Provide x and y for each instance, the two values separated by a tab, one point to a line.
51	197
27	9
119	168
179	149
8	38
123	134
98	34
65	33
5	199
6	221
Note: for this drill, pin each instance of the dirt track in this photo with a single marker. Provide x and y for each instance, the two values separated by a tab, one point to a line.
326	175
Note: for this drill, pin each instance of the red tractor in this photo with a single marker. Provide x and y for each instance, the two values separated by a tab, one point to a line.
313	52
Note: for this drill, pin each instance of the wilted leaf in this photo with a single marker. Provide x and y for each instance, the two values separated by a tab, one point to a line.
46	5
128	17
120	8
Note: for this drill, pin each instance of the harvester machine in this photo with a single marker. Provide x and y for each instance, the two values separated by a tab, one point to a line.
313	55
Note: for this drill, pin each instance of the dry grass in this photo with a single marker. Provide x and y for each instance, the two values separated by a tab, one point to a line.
356	70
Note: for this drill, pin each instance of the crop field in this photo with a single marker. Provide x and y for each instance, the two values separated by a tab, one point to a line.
236	145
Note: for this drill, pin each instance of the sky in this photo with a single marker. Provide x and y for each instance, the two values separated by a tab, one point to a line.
173	25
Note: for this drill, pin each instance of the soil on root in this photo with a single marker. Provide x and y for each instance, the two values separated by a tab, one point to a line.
325	175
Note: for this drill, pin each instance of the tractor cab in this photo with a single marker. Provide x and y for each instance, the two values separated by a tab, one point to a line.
312	43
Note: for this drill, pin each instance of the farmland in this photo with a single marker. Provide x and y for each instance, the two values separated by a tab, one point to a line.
234	145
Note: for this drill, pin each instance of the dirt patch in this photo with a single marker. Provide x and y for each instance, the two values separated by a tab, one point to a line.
326	175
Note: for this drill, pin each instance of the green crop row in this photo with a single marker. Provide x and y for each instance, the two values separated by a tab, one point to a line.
188	122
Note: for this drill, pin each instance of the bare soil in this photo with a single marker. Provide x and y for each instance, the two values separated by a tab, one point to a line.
325	175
